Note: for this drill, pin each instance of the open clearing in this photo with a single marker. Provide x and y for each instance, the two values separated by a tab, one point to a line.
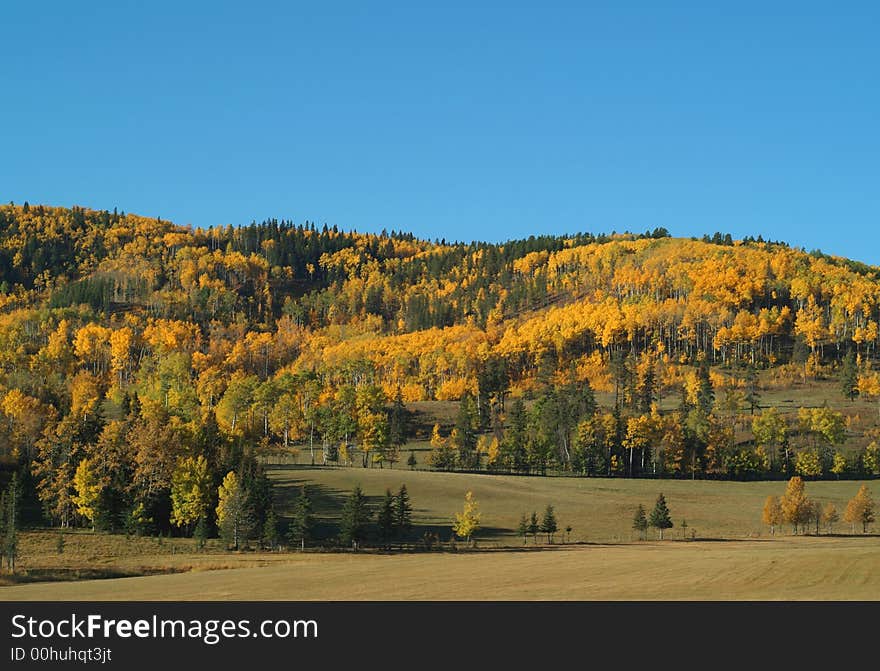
598	509
732	558
803	568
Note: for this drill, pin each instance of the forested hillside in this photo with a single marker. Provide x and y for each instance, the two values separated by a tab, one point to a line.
140	359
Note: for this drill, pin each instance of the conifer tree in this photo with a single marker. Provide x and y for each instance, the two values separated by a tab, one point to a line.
549	525
301	525
402	512
660	518
640	521
355	519
523	528
849	376
385	518
534	526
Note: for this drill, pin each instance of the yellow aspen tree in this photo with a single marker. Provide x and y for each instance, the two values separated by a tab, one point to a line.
88	485
467	522
860	509
772	516
795	505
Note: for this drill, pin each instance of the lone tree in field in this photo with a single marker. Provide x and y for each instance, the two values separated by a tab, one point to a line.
660	518
411	460
534	527
355	518
523	528
468	521
402	512
795	504
640	522
772	516
548	523
302	524
860	509
829	517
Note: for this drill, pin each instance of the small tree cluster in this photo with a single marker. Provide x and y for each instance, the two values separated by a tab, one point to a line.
659	518
395	516
548	524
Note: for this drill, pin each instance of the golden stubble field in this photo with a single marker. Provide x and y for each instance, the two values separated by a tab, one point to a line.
827	568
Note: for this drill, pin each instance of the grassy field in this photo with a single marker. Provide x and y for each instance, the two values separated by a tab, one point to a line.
598	509
803	568
733	556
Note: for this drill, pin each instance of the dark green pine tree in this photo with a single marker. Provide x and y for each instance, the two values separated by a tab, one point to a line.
516	436
270	530
849	376
523	528
385	519
302	525
411	460
398	421
534	527
402	512
753	395
201	533
549	525
706	392
467	422
640	522
660	518
355	519
12	501
646	389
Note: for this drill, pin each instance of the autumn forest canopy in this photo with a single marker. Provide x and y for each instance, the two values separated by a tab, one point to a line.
141	361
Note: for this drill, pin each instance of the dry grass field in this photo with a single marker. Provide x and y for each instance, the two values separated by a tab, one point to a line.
732	557
598	509
806	568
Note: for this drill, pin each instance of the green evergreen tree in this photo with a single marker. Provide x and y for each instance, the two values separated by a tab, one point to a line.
753	395
640	522
355	519
402	512
385	518
302	524
647	387
849	376
523	528
11	513
705	392
549	525
201	533
411	460
660	518
270	530
534	526
398	421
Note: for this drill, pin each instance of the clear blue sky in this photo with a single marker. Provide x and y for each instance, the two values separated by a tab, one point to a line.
457	120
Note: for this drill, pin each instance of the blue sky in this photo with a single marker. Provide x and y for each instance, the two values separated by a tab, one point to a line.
453	120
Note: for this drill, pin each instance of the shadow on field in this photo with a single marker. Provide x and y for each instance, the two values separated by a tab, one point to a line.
327	505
